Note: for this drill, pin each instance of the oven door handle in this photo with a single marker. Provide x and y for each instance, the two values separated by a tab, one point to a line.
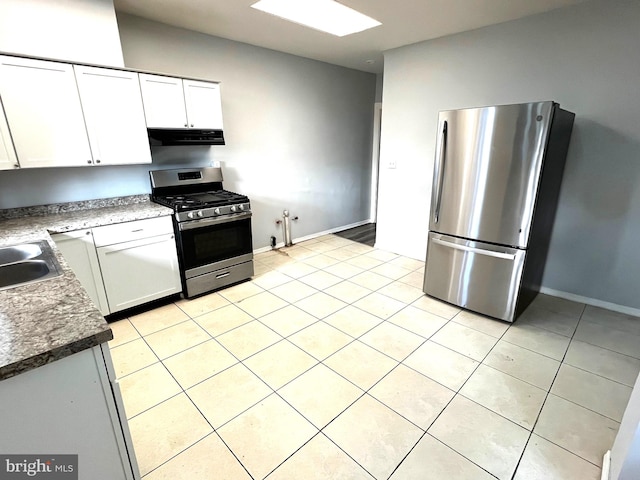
205	222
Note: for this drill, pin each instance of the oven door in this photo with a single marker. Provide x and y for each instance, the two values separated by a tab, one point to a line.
214	243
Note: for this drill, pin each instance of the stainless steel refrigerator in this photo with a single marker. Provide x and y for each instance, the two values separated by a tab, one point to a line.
496	183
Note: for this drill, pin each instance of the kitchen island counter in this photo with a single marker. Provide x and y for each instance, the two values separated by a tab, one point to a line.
45	321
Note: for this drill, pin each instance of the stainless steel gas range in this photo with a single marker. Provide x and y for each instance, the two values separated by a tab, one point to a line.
212	226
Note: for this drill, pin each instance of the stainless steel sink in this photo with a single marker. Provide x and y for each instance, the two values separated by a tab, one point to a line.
27	263
19	253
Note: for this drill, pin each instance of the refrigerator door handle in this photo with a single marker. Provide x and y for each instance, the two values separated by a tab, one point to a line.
440	170
488	253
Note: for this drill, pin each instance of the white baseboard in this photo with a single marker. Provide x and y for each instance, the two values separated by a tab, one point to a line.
267	249
591	301
606	465
314	235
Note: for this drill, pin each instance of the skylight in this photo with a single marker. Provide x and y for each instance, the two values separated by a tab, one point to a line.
326	15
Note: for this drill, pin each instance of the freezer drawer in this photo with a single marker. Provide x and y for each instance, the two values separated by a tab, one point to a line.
477	276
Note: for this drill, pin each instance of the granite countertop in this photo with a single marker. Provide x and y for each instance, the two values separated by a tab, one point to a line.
45	321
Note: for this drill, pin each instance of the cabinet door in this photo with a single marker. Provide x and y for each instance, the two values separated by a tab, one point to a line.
114	115
204	108
43	110
140	271
8	158
80	253
66	407
118	414
163	99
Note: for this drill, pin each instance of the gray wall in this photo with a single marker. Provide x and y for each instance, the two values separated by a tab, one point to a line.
585	57
298	133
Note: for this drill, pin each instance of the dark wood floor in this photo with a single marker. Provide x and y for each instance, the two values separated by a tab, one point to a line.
363	234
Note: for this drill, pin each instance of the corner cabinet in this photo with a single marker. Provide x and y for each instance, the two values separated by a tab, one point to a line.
43	111
114	115
8	159
171	102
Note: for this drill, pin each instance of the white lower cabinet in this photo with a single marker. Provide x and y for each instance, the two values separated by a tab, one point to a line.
139	271
125	264
80	253
70	406
138	261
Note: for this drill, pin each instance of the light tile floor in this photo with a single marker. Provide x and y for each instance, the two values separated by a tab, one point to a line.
331	364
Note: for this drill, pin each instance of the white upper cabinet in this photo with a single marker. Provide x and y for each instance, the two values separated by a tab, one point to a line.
8	158
204	106
176	103
163	99
114	115
43	110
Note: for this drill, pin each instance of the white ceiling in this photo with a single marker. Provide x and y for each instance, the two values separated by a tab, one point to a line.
403	22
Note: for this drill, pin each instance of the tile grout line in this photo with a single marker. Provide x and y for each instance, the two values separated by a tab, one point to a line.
597	375
354	338
535	423
192	403
320	431
457	392
426	433
184	391
605	348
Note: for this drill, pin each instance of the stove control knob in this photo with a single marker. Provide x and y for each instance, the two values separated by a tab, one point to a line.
190	214
200	214
233	208
216	211
242	207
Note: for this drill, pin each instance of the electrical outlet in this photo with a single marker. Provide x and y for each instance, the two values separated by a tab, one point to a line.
391	164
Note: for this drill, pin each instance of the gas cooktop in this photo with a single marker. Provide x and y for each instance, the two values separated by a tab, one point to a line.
195	201
196	194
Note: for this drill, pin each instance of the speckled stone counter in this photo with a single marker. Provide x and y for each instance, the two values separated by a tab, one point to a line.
45	321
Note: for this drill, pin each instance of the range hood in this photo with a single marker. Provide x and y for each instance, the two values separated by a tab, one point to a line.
168	136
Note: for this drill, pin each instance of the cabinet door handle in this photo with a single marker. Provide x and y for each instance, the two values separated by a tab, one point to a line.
440	171
479	251
222	275
137	230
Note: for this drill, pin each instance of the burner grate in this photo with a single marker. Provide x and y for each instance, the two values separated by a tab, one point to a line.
192	201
